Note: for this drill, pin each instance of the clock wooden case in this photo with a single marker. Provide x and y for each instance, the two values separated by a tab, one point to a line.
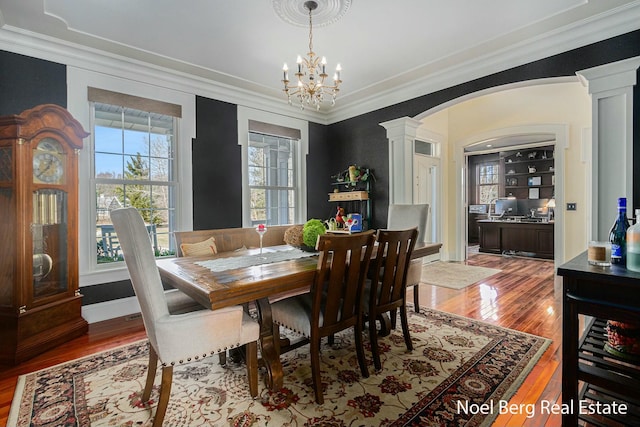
40	303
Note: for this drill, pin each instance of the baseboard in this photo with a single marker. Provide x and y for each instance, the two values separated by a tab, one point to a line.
110	310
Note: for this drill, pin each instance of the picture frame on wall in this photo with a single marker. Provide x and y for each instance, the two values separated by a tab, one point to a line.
534	193
534	180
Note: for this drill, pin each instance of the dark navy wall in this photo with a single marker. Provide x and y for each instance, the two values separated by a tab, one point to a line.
26	82
217	179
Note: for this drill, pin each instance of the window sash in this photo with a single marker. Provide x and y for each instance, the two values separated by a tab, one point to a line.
272	178
122	134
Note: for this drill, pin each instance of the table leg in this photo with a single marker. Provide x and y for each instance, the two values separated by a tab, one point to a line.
269	346
570	336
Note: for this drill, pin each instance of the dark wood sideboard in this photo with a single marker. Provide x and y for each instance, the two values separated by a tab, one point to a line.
591	375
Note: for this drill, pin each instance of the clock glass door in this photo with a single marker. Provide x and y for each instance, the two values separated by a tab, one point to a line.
49	237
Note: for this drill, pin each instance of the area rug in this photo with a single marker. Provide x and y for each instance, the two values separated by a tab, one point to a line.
454	360
454	275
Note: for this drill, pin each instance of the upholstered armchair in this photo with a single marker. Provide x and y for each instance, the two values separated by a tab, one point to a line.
386	291
334	303
401	217
181	338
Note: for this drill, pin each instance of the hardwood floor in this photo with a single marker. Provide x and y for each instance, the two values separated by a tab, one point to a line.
525	296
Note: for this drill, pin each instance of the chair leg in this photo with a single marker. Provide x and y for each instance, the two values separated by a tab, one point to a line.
165	392
252	367
151	374
405	327
392	318
416	303
362	361
315	370
373	339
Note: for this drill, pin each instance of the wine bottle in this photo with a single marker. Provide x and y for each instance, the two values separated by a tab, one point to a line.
618	234
633	245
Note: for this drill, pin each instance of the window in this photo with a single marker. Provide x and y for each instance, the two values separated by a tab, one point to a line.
488	179
272	179
133	156
274	150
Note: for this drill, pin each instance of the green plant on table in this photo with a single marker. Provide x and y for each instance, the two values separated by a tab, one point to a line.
311	230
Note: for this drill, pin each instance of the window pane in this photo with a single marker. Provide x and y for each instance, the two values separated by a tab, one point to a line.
109	166
487	193
159	169
137	168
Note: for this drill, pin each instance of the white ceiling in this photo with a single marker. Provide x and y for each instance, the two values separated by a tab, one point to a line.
401	49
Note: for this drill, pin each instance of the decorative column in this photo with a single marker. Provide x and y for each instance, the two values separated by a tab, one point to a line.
611	90
401	134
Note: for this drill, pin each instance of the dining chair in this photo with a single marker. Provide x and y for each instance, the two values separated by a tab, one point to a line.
401	217
334	302
386	292
182	338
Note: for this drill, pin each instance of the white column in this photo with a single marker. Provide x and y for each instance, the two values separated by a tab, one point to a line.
611	89
401	134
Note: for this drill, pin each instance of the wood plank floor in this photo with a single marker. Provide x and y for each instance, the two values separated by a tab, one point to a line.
525	296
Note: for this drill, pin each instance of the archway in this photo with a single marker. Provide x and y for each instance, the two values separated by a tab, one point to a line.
560	107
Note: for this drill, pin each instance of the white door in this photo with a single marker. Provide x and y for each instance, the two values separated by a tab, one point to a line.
426	189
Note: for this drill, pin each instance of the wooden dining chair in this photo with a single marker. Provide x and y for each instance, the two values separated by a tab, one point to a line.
182	338
401	217
386	292
334	303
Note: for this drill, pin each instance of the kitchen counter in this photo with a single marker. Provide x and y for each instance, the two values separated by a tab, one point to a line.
520	236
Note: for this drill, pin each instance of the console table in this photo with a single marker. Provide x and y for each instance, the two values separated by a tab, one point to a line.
606	294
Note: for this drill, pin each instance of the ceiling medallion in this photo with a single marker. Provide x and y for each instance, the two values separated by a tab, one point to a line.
310	87
295	12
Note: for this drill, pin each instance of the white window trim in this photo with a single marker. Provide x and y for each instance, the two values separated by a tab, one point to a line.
244	115
78	80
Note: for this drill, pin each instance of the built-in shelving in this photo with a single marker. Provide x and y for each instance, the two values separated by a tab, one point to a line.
528	173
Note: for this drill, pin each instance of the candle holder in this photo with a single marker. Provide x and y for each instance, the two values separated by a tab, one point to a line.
261	229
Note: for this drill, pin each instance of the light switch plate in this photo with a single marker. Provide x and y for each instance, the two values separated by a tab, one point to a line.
571	206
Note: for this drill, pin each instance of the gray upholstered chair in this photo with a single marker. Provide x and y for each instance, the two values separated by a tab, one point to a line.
386	292
178	338
334	302
401	217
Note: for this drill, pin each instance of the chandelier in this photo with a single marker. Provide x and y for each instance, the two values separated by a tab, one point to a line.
310	87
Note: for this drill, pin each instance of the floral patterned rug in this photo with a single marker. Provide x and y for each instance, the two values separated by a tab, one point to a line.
454	359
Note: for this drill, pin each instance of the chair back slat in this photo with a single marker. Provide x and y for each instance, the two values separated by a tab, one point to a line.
391	265
337	291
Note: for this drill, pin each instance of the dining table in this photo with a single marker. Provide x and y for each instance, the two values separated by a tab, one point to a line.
220	280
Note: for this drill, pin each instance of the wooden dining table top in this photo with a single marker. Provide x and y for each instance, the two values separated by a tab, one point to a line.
218	289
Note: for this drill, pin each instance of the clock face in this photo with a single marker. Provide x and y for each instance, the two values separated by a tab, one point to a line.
48	162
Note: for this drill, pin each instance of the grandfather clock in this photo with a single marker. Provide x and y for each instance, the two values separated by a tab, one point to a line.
40	304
